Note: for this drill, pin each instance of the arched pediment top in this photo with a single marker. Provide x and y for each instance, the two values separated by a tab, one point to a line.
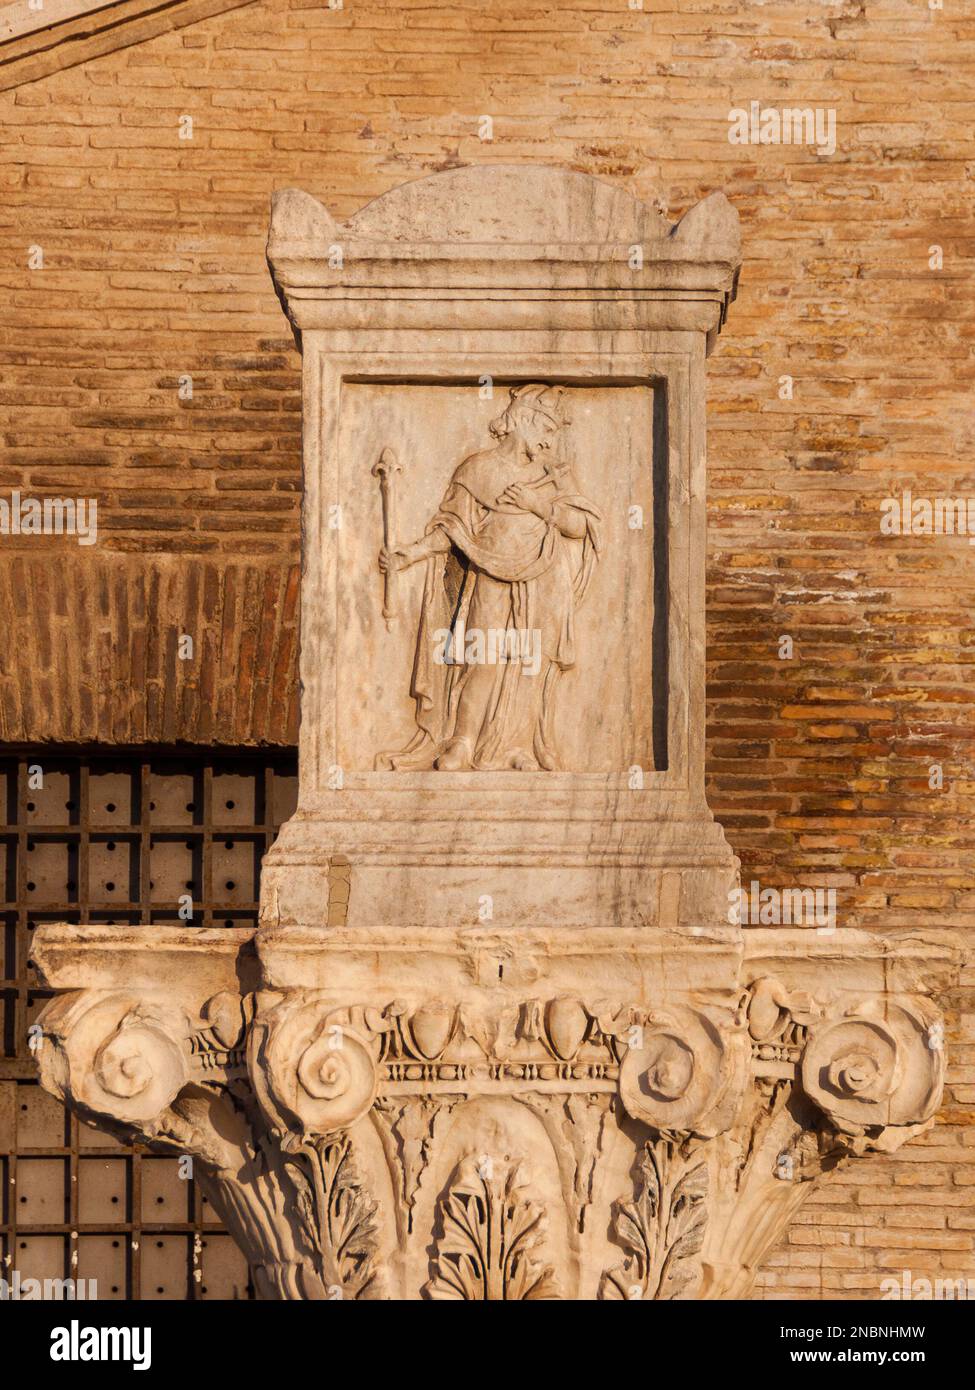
505	204
508	203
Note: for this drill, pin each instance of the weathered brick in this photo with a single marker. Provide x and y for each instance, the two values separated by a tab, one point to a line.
154	252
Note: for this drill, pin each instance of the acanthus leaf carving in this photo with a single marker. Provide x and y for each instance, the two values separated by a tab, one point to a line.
408	1126
492	1232
664	1228
268	1092
337	1217
576	1126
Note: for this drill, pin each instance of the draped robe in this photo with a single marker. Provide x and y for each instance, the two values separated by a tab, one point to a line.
506	569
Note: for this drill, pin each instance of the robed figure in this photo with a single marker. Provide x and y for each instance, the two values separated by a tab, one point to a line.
509	556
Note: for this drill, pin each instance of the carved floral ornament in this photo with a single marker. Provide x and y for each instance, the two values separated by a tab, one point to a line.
295	1066
318	1069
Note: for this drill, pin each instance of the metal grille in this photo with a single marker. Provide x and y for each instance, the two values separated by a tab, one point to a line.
104	838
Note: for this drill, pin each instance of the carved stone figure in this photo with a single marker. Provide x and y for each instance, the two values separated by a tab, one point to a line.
498	1037
501	586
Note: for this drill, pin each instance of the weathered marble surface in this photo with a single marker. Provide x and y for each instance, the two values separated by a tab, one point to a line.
497	1035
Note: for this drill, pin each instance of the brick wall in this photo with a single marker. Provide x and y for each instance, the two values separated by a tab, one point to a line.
154	270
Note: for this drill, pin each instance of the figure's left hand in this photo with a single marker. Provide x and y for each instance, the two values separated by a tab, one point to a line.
518	495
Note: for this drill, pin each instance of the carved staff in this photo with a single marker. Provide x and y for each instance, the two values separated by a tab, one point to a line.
384	469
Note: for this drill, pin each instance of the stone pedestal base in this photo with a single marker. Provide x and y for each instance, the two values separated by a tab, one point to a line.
498	1115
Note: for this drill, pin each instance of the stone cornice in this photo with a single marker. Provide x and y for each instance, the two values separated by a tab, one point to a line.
551	242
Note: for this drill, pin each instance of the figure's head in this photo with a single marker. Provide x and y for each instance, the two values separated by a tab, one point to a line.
535	414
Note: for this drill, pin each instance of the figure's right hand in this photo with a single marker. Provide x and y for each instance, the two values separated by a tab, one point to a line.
393	558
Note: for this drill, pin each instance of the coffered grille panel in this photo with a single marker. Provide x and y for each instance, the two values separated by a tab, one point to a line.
145	839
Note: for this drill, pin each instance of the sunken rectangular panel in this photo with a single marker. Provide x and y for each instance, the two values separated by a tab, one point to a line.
223	1269
42	1191
103	1191
167	1267
114	838
38	1257
176	797
42	1122
53	793
601	720
103	1263
113	798
166	1192
237	800
52	870
113	869
175	870
235	868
